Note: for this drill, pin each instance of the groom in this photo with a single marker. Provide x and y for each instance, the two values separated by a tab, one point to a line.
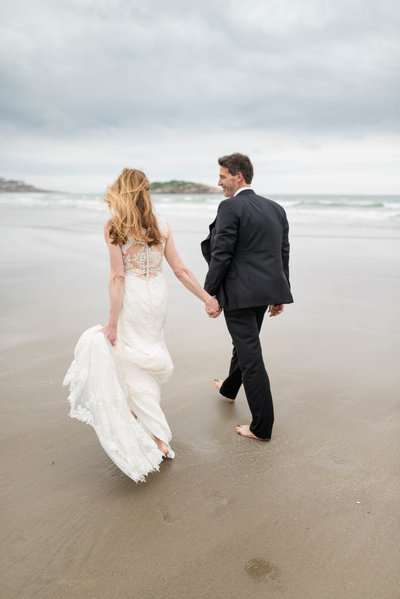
247	251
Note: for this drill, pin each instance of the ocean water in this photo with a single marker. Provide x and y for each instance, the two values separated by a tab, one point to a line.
344	210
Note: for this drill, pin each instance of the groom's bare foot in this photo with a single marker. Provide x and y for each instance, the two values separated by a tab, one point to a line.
218	384
161	445
244	430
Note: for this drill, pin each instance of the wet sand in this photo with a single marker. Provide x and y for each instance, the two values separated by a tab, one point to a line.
313	513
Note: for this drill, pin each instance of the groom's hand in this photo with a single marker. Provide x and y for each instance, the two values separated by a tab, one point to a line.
275	309
213	308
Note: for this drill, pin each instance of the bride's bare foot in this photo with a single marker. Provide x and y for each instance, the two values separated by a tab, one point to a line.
218	384
133	414
161	445
244	430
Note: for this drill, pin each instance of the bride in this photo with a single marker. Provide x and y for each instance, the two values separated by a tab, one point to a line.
116	373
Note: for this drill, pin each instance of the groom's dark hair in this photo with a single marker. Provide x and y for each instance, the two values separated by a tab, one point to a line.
238	163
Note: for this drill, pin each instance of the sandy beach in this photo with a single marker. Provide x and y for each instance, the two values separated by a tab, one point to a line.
313	514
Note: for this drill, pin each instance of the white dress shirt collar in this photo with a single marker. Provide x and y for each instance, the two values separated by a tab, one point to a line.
242	189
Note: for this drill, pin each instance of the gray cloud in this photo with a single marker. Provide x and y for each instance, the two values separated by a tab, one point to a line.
71	66
88	85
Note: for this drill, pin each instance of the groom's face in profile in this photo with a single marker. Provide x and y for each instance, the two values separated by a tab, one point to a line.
229	183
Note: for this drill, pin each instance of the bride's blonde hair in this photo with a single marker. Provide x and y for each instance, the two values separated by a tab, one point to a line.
128	199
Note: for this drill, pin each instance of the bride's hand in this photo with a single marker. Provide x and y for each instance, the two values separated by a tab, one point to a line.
110	331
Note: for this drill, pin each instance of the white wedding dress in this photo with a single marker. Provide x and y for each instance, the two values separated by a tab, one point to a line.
107	383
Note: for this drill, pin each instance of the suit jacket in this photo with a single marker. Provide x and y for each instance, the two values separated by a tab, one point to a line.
247	251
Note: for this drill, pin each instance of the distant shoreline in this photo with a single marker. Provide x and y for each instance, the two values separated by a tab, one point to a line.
173	186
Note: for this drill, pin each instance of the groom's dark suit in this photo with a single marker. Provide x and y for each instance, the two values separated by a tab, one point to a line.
248	255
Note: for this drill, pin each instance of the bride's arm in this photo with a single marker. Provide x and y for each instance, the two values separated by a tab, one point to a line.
116	286
187	278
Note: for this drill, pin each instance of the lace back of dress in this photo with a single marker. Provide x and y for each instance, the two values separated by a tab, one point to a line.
142	260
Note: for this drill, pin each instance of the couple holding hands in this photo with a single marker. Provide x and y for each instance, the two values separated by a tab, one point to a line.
115	376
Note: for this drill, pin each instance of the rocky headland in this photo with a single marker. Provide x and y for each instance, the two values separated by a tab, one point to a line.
181	187
16	186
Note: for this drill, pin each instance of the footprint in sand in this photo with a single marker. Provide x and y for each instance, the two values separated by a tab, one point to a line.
168	519
261	570
218	502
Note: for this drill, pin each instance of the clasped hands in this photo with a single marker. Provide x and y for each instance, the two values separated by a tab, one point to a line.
213	308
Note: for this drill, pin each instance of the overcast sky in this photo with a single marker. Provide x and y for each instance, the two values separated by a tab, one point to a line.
308	88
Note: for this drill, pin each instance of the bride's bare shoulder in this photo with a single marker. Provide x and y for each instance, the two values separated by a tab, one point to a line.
163	226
